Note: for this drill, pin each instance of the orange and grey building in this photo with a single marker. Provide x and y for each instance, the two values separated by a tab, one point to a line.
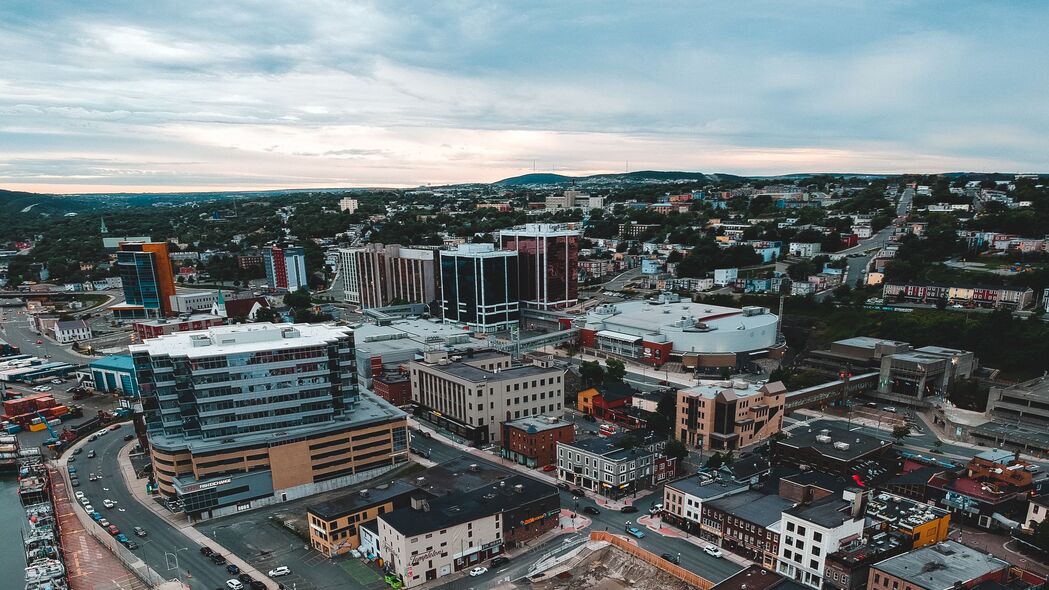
729	415
148	280
247	415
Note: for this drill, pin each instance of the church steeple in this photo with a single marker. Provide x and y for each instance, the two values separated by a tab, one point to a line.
104	229
220	306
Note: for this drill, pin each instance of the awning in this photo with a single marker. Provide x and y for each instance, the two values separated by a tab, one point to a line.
618	336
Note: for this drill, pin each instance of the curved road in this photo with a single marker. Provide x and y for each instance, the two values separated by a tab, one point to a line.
163	540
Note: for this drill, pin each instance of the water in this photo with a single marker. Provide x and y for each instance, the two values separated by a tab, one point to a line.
12	559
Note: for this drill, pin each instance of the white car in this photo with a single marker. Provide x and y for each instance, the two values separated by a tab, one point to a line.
712	551
103	431
280	571
478	571
79	495
234	585
108	503
56	381
655	509
105	523
84	501
89	508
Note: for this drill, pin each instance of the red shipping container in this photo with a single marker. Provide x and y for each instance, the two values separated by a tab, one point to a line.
45	402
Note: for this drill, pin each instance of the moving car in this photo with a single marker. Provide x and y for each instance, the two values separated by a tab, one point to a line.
591	510
498	561
477	571
633	531
628	509
234	585
139	531
91	454
129	437
712	551
78	451
655	509
108	503
671	558
279	571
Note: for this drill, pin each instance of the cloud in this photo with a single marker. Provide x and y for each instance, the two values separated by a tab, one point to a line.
328	93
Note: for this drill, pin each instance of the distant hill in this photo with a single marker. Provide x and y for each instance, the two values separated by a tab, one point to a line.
536	178
639	176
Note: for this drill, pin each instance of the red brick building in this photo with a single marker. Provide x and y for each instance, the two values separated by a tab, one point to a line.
532	441
159	327
394	387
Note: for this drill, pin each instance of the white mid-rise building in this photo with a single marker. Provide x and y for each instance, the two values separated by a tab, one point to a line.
811	532
348	205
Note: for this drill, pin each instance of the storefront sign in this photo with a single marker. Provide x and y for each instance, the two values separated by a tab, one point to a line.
417	558
207	485
529	521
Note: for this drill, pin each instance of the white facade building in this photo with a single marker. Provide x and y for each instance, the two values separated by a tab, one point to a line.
348	205
811	532
66	332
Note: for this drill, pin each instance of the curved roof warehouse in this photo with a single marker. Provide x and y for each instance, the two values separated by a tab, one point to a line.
699	334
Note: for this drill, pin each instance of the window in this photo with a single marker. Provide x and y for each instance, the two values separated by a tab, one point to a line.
790	526
813	564
801	531
817	536
816	551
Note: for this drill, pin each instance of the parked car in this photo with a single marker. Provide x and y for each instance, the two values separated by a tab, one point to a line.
206	551
671	557
579	492
116	426
105	523
131	544
655	509
139	531
628	509
74	482
591	511
89	508
122	538
549	467
564	486
234	585
91	454
633	531
257	585
113	530
78	495
217	559
477	571
233	569
95	516
71	459
71	469
500	560
245	578
712	551
78	451
279	571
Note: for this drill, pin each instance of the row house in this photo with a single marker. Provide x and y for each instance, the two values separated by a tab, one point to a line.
747	524
998	297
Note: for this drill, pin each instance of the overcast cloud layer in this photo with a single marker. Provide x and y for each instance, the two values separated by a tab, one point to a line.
313	93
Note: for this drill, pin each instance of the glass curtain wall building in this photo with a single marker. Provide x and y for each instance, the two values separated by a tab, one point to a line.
480	288
548	264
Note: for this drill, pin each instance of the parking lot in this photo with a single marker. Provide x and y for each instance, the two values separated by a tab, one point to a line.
273	536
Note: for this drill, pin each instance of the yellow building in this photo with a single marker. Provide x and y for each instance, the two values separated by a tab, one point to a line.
924	524
335	524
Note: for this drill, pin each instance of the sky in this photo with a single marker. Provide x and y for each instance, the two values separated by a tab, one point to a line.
185	96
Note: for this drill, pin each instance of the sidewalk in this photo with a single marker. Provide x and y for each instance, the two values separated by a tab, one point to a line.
180	522
655	524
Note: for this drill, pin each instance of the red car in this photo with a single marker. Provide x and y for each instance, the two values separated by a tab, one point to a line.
113	530
549	467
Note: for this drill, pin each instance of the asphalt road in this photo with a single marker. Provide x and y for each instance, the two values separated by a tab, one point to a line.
163	542
14	328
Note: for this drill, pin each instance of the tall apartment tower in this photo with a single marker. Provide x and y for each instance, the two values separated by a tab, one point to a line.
547	264
479	288
376	275
285	267
149	283
241	415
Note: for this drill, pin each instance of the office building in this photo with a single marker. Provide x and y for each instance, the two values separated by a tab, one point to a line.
348	205
532	441
472	394
567	200
194	302
246	415
377	275
946	566
335	524
611	467
436	537
729	415
1026	402
547	264
285	267
147	278
479	288
390	345
811	532
394	387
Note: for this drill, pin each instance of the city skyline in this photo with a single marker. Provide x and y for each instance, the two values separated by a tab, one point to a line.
125	98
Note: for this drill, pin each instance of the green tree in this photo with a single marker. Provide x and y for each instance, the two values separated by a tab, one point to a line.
628	442
715	461
615	369
592	373
676	450
900	432
298	299
1041	535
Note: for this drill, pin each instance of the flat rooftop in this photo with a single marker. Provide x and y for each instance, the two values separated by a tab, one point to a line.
357	501
736	388
650	316
940	566
477	375
533	424
902	512
858	444
239	338
410	335
463	507
704	488
830	512
760	509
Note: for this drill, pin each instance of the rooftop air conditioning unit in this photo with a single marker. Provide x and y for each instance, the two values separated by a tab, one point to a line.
823	439
841	446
